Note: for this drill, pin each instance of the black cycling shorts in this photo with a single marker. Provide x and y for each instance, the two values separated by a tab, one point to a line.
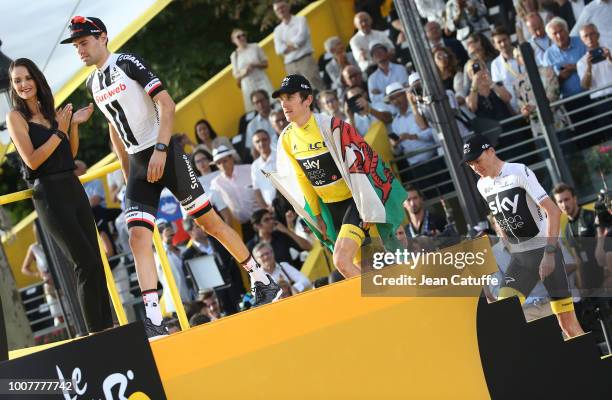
347	222
142	197
523	274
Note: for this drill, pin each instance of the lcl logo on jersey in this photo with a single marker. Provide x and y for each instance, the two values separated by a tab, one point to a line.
316	146
505	204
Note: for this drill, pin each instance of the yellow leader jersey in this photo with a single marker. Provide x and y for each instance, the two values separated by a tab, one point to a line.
316	171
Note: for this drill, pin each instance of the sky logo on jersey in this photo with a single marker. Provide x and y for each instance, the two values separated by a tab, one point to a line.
504	205
310	164
102	96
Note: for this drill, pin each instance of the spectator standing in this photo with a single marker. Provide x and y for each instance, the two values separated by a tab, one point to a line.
504	68
487	99
361	41
409	136
446	62
362	114
352	76
563	56
278	122
292	42
329	104
261	102
595	71
523	9
465	17
598	12
436	39
248	67
386	72
340	59
201	161
265	192
479	48
539	41
421	221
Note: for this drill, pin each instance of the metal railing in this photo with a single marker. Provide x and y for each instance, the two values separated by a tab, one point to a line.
110	282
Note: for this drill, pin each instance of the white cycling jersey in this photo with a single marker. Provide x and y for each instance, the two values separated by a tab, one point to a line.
514	198
123	90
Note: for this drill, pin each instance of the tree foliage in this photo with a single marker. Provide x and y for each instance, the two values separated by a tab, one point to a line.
185	44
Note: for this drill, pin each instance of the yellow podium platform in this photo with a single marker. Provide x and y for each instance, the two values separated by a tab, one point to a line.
331	343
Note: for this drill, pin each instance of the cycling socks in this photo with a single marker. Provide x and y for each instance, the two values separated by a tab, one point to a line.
151	303
255	271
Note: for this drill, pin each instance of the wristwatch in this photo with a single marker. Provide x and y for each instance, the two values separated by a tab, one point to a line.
161	147
550	248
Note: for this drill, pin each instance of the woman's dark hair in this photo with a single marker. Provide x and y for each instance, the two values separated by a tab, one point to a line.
43	91
489	51
206	154
213	134
452	59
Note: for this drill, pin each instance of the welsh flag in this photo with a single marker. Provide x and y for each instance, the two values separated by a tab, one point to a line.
378	195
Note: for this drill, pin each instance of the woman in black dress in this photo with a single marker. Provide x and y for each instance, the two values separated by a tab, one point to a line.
47	150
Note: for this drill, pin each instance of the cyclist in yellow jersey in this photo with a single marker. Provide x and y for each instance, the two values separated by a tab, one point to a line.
320	178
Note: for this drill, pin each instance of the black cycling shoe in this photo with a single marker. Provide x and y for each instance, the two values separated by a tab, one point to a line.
155	331
265	294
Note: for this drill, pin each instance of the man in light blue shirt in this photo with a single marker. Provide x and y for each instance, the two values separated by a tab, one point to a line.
563	56
539	41
386	73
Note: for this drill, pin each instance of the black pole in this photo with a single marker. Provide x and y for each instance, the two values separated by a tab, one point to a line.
442	113
545	115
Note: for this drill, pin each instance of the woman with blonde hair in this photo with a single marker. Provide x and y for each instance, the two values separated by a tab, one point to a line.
248	65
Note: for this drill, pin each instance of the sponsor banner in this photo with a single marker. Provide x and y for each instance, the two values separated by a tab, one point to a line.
113	365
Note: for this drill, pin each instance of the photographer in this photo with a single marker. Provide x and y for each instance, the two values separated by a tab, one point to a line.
487	99
422	221
422	112
361	114
584	238
281	238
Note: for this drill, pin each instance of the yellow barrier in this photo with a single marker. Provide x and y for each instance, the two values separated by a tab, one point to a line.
220	100
110	282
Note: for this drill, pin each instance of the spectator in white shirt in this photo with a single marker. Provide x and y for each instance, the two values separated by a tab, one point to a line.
362	114
201	161
598	12
340	59
292	42
235	185
595	67
539	41
386	73
330	105
504	68
264	255
265	192
261	103
410	136
365	36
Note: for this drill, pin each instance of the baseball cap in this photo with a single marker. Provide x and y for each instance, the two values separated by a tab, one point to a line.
222	151
84	26
393	88
474	146
376	45
293	84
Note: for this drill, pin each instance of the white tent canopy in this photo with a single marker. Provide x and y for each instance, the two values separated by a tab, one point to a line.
33	29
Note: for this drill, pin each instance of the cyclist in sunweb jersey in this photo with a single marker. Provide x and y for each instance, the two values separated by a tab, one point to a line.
140	114
529	220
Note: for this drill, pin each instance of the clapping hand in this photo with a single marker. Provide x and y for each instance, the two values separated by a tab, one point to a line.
63	116
83	114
